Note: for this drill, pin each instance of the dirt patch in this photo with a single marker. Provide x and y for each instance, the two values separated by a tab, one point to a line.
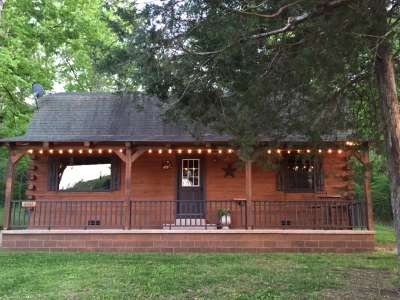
365	284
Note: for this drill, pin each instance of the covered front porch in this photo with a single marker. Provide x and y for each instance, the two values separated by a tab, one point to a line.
170	199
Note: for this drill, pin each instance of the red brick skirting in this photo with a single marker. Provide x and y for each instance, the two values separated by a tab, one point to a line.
190	241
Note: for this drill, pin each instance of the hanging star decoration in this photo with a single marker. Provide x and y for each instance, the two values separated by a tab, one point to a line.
229	170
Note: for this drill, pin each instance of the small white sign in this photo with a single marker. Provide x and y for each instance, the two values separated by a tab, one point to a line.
28	204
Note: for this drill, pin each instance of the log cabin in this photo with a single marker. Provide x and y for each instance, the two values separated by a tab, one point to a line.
108	173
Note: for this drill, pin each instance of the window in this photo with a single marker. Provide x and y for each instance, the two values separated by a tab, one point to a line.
300	173
190	172
84	174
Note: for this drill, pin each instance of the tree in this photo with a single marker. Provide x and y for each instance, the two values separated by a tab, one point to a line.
247	67
48	41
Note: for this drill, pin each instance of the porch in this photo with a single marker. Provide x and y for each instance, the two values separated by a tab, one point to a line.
130	216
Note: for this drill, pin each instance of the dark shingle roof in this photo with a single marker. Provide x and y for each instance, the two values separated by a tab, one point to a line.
70	117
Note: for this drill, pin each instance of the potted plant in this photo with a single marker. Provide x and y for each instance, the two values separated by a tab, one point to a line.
224	215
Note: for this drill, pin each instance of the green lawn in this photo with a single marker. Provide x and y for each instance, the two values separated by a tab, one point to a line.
201	276
191	276
385	235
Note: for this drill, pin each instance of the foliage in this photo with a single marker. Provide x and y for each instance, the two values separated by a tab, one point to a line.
50	42
379	186
215	66
99	184
223	212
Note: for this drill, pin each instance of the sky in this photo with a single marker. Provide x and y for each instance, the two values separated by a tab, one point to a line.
74	174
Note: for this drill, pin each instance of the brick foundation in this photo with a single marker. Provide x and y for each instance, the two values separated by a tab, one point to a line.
189	241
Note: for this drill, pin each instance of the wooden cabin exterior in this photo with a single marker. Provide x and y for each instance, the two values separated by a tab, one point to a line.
165	189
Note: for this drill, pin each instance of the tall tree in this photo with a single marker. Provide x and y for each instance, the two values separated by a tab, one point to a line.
248	67
48	42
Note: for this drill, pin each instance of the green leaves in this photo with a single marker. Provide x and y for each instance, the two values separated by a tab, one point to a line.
204	60
49	42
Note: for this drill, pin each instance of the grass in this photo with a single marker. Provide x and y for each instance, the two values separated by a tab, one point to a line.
201	276
385	236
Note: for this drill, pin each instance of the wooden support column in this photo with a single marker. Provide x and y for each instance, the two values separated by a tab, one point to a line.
367	189
128	158
128	187
13	158
249	195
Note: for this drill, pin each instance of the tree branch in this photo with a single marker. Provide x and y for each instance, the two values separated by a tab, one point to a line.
290	25
276	14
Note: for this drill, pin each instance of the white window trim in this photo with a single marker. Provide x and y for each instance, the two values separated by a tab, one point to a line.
193	177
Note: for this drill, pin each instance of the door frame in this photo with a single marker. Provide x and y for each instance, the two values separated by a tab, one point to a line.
202	179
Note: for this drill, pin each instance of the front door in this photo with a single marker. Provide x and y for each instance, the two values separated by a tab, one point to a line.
190	202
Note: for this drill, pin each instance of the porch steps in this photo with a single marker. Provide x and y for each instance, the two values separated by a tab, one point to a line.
174	227
189	224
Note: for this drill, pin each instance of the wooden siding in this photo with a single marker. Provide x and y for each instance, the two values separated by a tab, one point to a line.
151	182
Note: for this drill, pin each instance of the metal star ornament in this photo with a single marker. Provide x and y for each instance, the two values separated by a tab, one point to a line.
229	171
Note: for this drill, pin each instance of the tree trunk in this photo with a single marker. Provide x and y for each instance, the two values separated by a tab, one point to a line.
1	6
384	70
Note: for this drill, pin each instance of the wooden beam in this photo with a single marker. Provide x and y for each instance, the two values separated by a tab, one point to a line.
128	158
367	188
128	187
249	195
137	154
121	155
13	158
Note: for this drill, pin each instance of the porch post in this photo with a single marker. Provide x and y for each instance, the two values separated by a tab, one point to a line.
13	158
367	189
249	195
128	187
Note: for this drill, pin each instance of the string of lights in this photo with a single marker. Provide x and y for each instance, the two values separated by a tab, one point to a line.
181	151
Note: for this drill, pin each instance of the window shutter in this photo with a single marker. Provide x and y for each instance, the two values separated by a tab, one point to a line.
115	173
280	180
52	177
319	176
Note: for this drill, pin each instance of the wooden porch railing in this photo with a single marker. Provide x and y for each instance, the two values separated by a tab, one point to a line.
164	214
321	214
